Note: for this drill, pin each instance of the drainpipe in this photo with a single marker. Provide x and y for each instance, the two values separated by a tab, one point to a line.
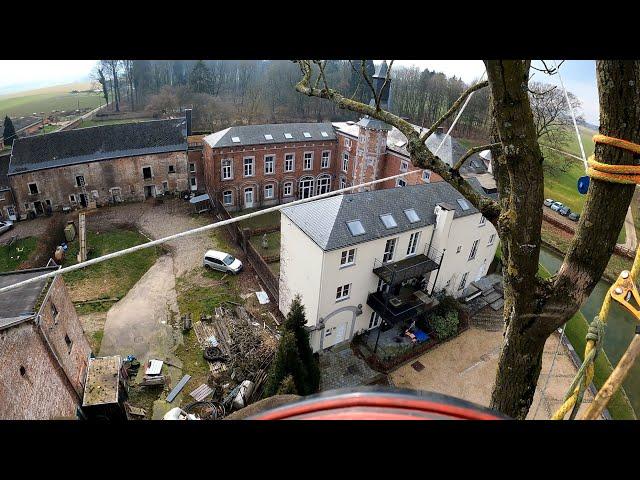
438	272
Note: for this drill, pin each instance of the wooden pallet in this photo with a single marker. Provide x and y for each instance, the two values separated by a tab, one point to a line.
202	392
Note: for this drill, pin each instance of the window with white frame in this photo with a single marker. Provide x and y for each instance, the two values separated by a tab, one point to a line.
404	166
269	161
343	182
492	238
227	169
463	281
474	249
400	182
248	167
192	168
483	221
347	142
413	243
33	188
306	187
374	320
348	257
72	198
268	191
323	184
80	181
342	293
389	250
308	161
326	157
426	176
289	159
227	197
287	189
345	161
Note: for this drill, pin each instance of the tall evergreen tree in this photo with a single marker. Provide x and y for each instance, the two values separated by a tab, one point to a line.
294	364
200	78
9	133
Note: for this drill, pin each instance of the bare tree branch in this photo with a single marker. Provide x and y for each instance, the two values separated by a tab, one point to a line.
453	108
470	152
421	156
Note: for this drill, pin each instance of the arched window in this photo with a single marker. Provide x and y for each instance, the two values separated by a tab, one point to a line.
324	184
287	189
306	187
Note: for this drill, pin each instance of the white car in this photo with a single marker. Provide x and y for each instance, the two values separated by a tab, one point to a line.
222	261
5	225
556	206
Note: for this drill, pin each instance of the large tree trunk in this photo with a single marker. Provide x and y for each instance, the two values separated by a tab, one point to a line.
533	308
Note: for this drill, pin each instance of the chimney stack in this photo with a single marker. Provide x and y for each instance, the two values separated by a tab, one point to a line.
187	115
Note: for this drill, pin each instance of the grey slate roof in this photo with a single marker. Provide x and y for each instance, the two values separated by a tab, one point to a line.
325	220
91	144
254	134
4	168
18	305
475	183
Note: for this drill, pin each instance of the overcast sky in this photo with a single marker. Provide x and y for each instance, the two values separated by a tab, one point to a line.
578	75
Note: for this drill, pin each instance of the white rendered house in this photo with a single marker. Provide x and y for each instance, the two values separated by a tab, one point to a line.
360	258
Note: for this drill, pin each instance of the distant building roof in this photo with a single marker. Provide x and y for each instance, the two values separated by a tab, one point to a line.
20	123
272	133
19	305
325	220
477	184
4	168
70	147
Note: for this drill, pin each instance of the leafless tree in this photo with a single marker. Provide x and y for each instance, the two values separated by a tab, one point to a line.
534	307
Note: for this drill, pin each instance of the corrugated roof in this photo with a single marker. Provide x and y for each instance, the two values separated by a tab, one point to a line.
255	134
19	304
325	220
91	144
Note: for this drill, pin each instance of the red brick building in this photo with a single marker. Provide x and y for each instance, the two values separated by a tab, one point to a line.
43	349
261	165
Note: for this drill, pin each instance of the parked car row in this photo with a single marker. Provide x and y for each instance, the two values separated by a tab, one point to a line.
561	209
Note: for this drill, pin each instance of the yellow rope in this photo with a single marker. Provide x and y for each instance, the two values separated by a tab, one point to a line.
627	174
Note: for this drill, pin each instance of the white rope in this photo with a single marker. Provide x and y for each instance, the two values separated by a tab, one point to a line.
222	223
573	117
466	102
195	231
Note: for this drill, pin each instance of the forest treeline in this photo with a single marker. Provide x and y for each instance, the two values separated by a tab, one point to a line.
227	92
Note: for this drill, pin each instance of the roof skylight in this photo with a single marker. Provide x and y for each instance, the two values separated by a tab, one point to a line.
463	204
235	139
288	135
306	134
388	221
411	215
355	227
400	143
324	134
268	136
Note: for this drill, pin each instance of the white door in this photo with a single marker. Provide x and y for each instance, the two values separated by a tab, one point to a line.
341	332
11	213
248	198
482	270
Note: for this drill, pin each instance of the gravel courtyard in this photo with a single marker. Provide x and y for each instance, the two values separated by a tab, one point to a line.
465	368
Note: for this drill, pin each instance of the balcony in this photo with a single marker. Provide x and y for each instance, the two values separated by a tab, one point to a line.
397	272
407	303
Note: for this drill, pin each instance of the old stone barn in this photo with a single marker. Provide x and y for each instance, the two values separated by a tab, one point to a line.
43	349
99	166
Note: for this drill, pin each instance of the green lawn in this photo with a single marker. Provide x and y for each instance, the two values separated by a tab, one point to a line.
98	123
562	186
266	220
273	242
110	279
11	257
35	102
198	299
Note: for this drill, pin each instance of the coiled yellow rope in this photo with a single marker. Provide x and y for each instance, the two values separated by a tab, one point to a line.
627	174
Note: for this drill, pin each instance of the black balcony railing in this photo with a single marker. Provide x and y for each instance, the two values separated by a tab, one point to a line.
395	308
395	273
